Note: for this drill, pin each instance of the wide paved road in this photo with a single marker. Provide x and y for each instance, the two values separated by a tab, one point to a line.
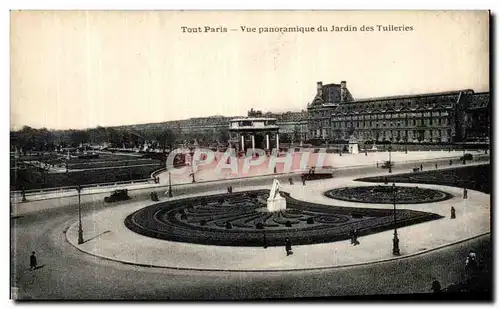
70	274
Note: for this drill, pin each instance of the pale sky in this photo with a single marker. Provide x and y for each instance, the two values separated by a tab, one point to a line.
78	69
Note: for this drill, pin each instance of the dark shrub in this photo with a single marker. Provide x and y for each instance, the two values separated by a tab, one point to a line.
229	225
222	201
357	215
203	222
259	226
310	220
184	217
288	224
203	202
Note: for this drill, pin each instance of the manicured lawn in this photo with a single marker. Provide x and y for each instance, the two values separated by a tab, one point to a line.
477	177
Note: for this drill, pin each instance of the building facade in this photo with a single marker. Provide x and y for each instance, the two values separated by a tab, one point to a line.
254	133
292	125
446	117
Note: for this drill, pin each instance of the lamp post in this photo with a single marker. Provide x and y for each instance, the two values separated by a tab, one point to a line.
390	160
192	165
463	148
169	184
395	240
80	230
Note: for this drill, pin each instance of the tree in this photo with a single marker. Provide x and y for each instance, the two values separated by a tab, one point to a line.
78	137
223	135
166	137
350	132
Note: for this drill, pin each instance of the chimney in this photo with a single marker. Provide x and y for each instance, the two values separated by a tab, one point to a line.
343	92
319	88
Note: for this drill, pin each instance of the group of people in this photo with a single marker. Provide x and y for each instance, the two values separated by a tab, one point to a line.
288	245
471	265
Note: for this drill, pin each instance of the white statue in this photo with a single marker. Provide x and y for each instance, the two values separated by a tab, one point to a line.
275	189
276	202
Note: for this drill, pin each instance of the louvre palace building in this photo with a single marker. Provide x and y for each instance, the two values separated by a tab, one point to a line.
335	116
446	117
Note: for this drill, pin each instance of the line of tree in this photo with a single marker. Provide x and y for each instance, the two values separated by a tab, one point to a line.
31	139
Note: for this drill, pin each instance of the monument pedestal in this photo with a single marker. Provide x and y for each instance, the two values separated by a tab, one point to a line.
353	145
276	204
353	148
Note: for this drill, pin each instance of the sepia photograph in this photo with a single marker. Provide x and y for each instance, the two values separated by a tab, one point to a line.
250	155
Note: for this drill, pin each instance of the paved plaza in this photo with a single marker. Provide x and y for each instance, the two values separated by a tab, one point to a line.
110	238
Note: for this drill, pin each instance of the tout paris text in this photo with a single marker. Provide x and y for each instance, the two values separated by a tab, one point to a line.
299	29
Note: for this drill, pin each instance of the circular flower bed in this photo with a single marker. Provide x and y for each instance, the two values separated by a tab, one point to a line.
239	220
388	195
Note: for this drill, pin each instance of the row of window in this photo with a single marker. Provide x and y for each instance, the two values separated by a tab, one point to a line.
406	122
409	134
408	103
379	115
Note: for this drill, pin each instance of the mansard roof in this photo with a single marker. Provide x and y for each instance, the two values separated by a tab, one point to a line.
479	100
410	96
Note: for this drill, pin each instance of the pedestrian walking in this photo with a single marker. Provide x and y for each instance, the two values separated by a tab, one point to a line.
436	165
436	286
453	216
33	263
421	167
303	177
288	247
465	193
290	180
355	237
275	170
351	235
264	241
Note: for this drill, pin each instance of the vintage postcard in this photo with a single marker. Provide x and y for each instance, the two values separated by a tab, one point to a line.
250	155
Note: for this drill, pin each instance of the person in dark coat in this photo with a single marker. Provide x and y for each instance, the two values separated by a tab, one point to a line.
436	286
303	179
436	165
264	240
465	193
33	263
290	180
351	235
421	167
288	247
453	215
